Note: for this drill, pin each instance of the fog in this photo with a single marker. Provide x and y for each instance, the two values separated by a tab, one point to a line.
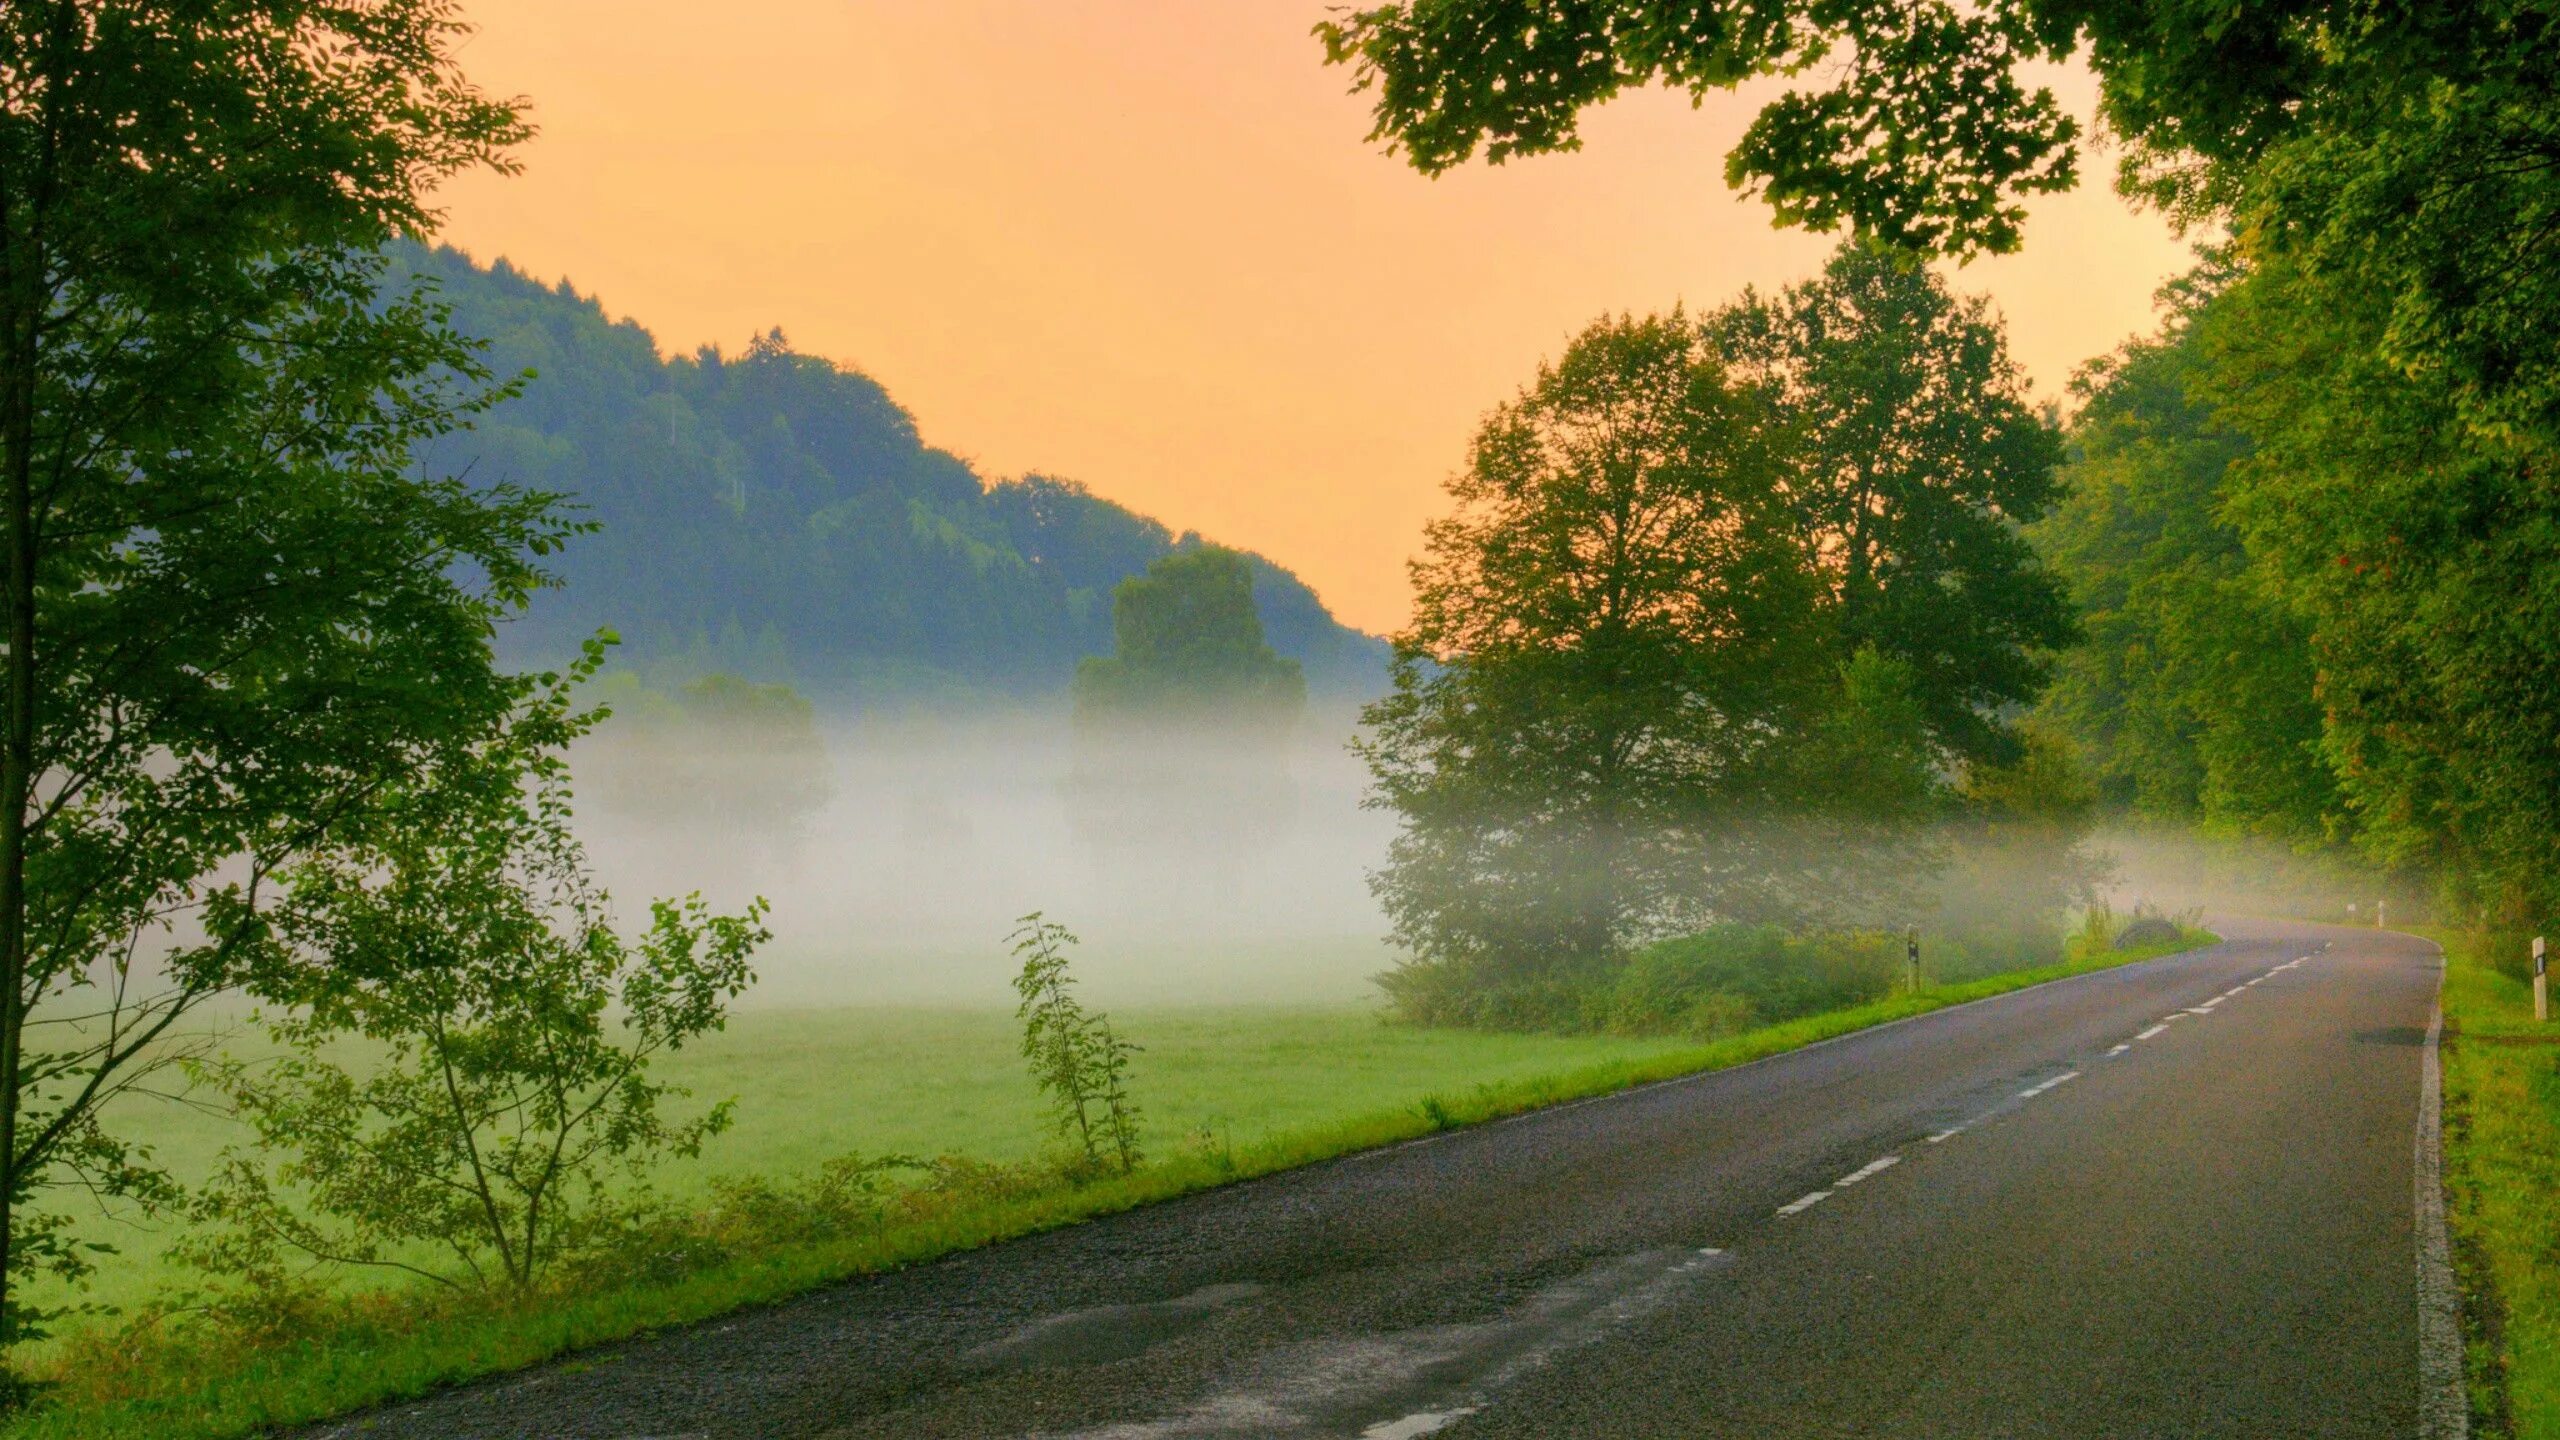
2245	875
1195	869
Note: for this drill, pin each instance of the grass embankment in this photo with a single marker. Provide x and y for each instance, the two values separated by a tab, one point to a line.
1256	1094
2502	1168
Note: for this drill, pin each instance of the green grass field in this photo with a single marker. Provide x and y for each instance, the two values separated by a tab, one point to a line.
2502	1170
815	1083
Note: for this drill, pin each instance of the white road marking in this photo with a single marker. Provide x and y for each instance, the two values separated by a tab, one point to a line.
1414	1427
2234	990
2033	1091
1947	1134
1862	1172
2118	1051
2154	1030
1804	1202
2204	1009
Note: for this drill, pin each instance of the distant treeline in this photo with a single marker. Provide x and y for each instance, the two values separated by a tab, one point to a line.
777	516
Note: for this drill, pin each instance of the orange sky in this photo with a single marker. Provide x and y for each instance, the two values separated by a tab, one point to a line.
1142	243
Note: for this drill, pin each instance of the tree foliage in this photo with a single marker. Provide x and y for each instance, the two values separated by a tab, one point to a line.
2319	593
1913	455
509	1110
1188	647
1608	632
234	615
1926	138
2195	694
1719	605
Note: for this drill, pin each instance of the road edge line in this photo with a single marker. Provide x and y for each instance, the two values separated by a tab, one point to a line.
2444	1408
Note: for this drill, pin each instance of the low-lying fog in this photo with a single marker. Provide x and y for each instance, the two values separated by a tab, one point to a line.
1195	870
897	853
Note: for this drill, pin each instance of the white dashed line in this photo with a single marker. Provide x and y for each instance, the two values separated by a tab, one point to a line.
1947	1134
2154	1030
1804	1203
2118	1051
1872	1167
2204	1009
2035	1090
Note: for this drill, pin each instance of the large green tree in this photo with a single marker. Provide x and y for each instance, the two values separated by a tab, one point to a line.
2195	696
2417	548
233	614
1609	634
1188	647
1914	456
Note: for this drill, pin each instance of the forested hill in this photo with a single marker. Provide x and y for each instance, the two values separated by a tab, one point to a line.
776	515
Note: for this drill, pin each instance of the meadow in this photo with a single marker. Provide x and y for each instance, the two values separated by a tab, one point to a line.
815	1083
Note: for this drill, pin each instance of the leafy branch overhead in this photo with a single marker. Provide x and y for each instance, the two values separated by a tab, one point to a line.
1925	137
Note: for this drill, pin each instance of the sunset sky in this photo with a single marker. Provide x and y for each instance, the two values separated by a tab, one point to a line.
1144	244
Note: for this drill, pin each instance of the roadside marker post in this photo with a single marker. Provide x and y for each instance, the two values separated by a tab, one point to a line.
2377	913
2541	986
1911	962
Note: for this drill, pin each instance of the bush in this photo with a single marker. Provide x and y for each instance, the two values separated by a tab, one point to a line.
1447	993
1075	1055
1731	977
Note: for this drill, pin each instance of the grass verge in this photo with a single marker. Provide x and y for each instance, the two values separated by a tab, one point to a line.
2501	1168
353	1352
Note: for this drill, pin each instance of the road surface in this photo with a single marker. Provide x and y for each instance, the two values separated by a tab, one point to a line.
2173	1199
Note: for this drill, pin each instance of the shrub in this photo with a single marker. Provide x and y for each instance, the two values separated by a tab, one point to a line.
1728	977
1075	1056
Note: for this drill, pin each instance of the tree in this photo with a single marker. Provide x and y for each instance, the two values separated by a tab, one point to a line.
1914	458
468	944
1927	138
1610	635
233	617
2417	550
2195	695
1187	647
2414	150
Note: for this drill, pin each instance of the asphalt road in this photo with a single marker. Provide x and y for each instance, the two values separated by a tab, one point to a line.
2172	1199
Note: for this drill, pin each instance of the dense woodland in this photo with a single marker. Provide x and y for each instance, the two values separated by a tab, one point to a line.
778	516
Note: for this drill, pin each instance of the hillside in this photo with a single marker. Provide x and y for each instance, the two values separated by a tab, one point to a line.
778	515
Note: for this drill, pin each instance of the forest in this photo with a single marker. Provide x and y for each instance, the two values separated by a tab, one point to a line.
776	516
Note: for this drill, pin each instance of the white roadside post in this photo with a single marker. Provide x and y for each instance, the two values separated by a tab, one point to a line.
2541	986
1911	963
